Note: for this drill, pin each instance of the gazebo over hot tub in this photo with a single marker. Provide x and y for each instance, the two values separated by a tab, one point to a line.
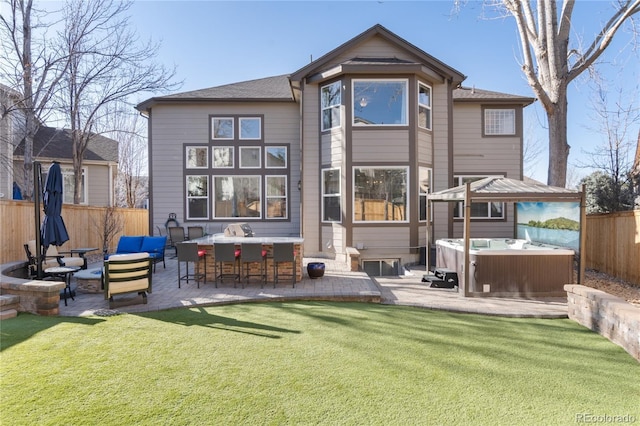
503	273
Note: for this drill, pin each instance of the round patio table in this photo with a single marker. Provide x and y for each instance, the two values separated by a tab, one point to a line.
64	273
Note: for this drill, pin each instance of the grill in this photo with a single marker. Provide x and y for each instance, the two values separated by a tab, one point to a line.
238	230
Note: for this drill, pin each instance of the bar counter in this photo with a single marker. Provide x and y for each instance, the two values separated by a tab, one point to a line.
207	242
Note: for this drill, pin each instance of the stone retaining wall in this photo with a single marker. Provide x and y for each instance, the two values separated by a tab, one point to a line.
610	316
38	297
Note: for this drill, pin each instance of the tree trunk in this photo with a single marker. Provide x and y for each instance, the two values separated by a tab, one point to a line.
558	146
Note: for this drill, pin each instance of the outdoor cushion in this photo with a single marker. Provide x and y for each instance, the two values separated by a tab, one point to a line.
50	260
154	246
130	244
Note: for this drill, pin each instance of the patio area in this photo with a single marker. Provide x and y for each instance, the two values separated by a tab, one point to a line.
338	284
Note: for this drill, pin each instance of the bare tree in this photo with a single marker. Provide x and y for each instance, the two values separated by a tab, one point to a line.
34	67
615	120
131	182
108	65
549	64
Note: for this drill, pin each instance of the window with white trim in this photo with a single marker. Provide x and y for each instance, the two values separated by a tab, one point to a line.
331	208
276	197
488	210
380	102
223	157
499	122
380	194
197	157
250	157
424	106
424	188
197	196
250	128
237	196
222	128
275	157
68	180
330	102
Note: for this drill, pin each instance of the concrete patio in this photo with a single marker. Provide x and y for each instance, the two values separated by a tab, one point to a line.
338	284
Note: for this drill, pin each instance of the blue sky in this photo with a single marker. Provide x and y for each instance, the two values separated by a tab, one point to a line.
214	43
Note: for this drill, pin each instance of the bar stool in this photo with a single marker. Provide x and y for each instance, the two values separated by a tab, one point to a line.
282	253
253	253
188	252
194	232
226	253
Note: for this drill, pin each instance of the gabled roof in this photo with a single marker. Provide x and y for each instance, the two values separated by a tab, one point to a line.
471	94
324	61
271	89
50	142
502	189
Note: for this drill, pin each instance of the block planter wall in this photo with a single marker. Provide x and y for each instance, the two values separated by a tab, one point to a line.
609	316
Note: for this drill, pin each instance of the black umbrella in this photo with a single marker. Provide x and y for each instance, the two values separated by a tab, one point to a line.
53	230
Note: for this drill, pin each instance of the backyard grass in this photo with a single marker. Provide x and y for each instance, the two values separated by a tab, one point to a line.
310	363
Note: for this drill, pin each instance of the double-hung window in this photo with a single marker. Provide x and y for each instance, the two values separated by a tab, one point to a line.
424	183
330	101
197	196
380	102
489	210
424	106
499	122
69	184
380	194
276	197
331	209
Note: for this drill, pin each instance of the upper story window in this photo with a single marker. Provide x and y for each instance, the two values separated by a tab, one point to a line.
250	128
222	128
499	122
197	157
424	106
330	101
276	157
380	194
478	210
380	102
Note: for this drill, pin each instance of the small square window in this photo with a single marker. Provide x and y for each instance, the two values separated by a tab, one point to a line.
222	128
499	122
250	128
276	157
250	157
197	157
223	157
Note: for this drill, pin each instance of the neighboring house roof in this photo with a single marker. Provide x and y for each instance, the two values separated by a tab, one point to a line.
635	170
471	94
268	89
50	142
326	60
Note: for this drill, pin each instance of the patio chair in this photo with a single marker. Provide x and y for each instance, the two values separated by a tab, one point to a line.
226	253
195	232
284	253
127	273
176	235
188	252
52	258
251	253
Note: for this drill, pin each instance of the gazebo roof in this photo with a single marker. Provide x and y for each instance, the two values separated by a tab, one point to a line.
502	189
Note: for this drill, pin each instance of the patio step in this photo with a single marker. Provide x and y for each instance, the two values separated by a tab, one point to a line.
8	306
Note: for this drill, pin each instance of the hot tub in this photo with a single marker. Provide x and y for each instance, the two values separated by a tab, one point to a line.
508	267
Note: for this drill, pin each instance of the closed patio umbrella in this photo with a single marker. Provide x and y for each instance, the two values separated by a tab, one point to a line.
53	230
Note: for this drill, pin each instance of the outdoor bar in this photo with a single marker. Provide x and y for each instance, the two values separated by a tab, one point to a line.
207	243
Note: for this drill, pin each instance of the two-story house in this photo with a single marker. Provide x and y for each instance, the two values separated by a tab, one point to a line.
342	152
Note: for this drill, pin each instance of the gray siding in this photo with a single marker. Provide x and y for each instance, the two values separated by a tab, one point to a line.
176	125
377	145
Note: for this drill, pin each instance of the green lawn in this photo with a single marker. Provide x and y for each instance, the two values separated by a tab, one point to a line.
310	363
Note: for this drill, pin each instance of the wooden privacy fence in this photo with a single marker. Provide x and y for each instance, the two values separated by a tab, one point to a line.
613	244
84	225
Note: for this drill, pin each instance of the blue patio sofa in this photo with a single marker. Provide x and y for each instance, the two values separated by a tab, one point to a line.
143	244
